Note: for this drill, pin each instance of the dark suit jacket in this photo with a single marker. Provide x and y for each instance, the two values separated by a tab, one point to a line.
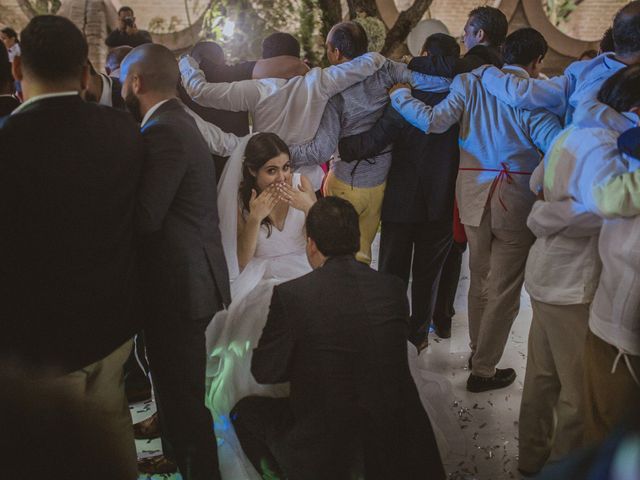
629	142
183	269
116	94
447	66
118	38
230	122
422	178
68	175
339	335
8	104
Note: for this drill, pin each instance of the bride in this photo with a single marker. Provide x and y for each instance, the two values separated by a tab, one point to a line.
263	207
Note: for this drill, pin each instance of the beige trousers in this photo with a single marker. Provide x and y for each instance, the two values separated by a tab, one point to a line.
552	409
99	387
609	396
497	258
368	204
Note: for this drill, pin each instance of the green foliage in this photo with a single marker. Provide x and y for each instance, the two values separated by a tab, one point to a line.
43	7
253	20
376	31
160	25
558	11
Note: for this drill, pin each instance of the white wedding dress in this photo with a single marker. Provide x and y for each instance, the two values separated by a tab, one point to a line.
234	333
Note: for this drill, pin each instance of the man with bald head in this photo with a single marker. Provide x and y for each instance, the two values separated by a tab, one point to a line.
183	270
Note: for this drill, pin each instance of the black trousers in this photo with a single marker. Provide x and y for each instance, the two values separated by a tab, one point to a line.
448	286
429	244
320	448
177	357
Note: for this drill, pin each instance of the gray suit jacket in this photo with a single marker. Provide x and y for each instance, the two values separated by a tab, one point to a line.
184	273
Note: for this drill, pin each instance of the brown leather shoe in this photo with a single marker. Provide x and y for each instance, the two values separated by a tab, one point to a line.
156	465
147	428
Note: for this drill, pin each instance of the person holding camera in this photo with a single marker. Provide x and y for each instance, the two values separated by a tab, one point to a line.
127	33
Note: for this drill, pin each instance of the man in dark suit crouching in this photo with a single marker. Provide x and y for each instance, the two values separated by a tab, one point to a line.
339	335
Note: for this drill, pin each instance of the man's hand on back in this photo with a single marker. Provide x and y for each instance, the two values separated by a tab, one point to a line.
398	86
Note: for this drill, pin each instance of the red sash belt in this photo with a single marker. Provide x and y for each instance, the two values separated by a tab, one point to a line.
504	174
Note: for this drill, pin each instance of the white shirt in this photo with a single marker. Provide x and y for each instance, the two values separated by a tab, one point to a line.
14	52
290	108
42	97
151	111
106	97
219	142
591	159
494	139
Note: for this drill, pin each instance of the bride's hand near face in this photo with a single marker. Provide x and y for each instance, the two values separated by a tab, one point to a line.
301	198
261	206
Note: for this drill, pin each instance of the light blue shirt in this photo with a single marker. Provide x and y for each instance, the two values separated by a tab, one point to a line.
354	111
560	95
493	137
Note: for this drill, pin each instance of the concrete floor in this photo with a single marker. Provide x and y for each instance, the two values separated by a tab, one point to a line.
483	427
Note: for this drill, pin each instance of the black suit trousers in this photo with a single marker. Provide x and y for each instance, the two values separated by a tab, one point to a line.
448	285
419	250
177	357
316	448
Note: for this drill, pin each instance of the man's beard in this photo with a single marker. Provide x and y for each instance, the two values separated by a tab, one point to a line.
133	105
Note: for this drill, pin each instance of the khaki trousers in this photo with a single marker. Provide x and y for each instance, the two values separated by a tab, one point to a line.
100	388
497	258
552	409
368	204
608	396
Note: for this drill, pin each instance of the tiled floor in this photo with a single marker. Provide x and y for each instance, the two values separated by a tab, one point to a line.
483	432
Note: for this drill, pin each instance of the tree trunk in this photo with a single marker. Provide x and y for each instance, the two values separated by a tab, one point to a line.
406	21
369	7
331	14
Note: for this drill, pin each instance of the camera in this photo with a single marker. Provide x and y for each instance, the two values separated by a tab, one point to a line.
129	21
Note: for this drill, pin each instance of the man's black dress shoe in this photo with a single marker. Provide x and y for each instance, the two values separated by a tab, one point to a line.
502	378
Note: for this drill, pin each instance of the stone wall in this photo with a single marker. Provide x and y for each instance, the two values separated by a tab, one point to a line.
163	16
12	15
591	18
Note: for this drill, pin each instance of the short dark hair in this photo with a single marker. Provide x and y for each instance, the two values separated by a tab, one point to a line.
350	38
524	46
6	78
626	29
441	44
10	32
621	91
606	42
492	21
116	56
53	48
211	52
332	223
280	43
125	9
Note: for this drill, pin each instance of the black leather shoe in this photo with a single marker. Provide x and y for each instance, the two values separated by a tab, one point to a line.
442	332
502	378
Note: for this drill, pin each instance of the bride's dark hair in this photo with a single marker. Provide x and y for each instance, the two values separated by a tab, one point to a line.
260	148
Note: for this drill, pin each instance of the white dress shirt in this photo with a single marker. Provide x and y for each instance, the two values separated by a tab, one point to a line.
220	143
106	97
591	160
499	147
292	108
